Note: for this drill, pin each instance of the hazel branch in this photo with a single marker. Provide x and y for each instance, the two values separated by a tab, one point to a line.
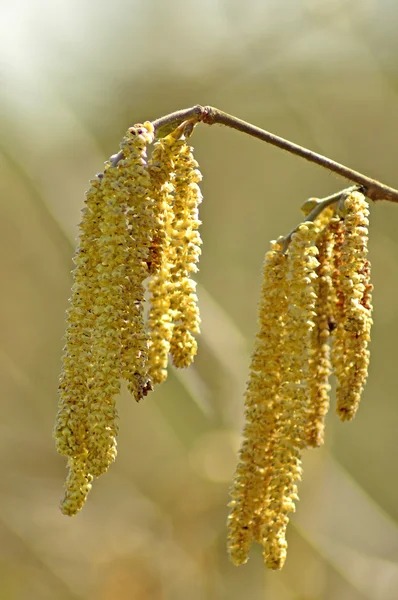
373	189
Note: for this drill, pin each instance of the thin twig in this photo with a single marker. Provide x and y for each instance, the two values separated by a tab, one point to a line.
325	202
373	189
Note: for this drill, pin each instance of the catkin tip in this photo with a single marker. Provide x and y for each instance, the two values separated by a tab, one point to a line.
77	487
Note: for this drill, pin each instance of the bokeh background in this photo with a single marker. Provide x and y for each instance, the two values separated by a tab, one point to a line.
73	76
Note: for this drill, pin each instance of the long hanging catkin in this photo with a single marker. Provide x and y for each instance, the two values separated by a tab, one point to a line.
290	433
250	485
71	422
352	335
106	337
162	168
119	338
184	256
72	419
277	403
319	362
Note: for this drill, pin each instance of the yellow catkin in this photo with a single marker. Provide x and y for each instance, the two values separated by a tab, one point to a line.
105	371
142	211
290	437
353	331
261	409
160	321
71	422
118	309
337	354
319	365
77	487
184	256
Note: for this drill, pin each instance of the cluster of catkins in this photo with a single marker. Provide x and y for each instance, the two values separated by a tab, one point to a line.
138	241
314	319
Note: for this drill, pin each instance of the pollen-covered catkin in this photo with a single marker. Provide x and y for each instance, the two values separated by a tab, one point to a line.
119	339
319	363
143	225
336	227
104	371
184	255
352	335
160	318
290	431
249	489
71	421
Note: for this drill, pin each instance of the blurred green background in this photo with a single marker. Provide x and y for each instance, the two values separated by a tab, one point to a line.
73	76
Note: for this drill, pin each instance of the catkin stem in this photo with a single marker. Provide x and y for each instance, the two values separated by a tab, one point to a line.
317	210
